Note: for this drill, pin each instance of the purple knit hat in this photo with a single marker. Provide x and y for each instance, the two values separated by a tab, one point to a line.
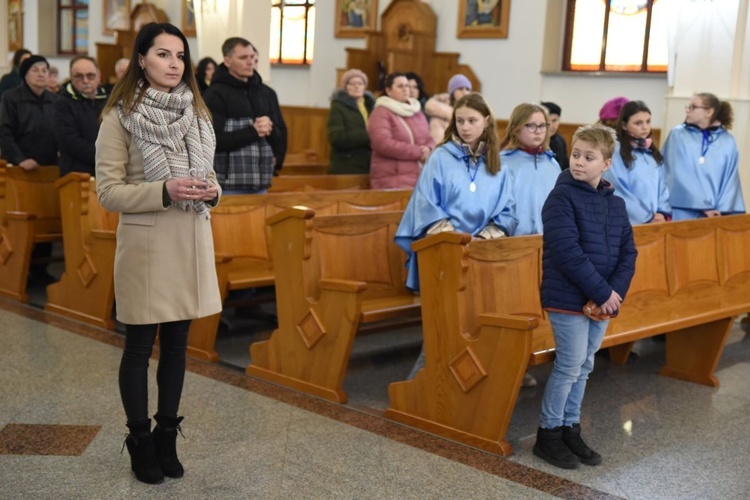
611	109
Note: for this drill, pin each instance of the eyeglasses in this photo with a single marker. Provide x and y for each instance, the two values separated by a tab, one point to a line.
693	107
87	76
536	127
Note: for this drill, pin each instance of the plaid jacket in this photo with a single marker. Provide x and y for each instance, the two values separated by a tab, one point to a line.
246	168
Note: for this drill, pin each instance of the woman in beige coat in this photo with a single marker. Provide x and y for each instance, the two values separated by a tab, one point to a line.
154	158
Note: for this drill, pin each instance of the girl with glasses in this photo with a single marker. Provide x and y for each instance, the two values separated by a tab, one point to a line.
701	159
637	172
527	156
526	153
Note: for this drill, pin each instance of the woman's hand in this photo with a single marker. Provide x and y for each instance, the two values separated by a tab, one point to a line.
425	153
712	213
658	218
189	189
612	304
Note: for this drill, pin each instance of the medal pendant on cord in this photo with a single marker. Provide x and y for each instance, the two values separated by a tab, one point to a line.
472	187
701	160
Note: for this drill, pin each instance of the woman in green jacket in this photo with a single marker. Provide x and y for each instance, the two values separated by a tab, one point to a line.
351	106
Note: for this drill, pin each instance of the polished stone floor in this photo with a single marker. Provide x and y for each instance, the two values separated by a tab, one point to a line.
62	427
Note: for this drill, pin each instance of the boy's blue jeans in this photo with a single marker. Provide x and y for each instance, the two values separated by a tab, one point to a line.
577	338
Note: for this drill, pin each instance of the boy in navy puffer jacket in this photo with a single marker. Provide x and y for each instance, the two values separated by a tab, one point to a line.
588	262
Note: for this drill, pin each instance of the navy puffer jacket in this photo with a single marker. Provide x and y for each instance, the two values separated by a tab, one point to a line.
588	245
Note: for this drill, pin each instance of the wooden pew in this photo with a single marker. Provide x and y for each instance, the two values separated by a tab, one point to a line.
339	271
3	175
304	163
287	183
483	321
86	289
242	244
32	216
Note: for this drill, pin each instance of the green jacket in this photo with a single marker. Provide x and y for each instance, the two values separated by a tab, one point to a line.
347	134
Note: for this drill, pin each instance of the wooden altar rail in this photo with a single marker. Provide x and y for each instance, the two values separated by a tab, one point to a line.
483	321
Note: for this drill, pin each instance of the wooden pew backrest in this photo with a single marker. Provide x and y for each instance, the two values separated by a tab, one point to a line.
35	193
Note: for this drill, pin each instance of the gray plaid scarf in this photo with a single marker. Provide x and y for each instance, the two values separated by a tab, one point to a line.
171	136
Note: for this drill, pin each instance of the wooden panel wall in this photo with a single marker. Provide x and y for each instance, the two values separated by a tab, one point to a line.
306	129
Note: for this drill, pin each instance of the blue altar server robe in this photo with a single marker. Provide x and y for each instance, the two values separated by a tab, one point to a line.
712	185
643	186
442	192
534	176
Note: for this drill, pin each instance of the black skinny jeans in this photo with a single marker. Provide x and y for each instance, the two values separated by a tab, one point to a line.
170	375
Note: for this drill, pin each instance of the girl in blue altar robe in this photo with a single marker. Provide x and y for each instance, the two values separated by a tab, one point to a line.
637	171
527	156
701	160
461	187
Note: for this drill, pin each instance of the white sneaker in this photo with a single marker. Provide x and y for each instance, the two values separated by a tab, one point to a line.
528	380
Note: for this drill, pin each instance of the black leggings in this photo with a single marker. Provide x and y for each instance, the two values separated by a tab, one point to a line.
170	375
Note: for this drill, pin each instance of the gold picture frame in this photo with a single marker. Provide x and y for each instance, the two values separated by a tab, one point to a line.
355	17
188	18
483	18
116	16
15	25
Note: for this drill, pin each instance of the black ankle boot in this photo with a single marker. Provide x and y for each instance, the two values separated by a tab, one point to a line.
165	439
142	452
551	448
572	439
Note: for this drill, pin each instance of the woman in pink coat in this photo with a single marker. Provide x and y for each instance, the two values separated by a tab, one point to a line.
399	137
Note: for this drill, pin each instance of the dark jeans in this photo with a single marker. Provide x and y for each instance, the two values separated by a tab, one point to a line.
170	375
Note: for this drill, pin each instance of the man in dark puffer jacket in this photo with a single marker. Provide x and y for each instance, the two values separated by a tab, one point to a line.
77	116
588	262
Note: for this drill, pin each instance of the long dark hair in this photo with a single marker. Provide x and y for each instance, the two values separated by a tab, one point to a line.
125	88
491	140
625	139
18	55
200	69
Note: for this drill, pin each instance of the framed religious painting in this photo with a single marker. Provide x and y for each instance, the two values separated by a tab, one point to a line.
188	18
15	25
483	18
355	17
116	16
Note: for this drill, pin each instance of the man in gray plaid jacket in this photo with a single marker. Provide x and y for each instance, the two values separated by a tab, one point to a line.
250	131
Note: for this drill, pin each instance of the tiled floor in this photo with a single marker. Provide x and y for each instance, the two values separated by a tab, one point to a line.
62	428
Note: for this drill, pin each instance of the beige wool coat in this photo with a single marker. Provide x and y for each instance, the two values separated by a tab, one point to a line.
164	262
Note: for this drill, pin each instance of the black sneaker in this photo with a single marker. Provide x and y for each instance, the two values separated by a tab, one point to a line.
572	438
550	447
